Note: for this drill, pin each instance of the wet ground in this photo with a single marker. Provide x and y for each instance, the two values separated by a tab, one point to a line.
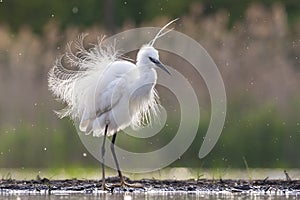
201	186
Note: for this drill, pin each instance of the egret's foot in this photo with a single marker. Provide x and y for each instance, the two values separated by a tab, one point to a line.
106	187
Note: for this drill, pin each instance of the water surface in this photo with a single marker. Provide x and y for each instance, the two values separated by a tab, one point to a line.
146	196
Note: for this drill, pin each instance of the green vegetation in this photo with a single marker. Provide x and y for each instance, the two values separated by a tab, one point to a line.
262	137
36	14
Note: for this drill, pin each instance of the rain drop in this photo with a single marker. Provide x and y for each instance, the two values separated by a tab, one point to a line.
75	10
84	154
45	149
52	15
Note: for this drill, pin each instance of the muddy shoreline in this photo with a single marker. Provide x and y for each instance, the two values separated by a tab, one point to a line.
277	187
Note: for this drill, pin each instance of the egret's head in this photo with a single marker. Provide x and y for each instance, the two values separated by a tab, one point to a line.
148	55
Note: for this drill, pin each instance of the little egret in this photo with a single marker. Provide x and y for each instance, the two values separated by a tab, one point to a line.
107	93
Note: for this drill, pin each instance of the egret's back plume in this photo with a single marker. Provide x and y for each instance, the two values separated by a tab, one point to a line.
77	86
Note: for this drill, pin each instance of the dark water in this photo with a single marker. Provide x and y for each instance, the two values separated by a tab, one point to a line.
145	196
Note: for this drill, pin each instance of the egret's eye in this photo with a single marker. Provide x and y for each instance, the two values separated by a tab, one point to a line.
153	60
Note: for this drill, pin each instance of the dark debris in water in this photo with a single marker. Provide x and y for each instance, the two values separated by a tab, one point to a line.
202	185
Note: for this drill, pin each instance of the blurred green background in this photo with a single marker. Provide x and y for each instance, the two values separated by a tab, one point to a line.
255	44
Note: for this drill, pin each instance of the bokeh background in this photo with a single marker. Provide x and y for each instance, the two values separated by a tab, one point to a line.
255	44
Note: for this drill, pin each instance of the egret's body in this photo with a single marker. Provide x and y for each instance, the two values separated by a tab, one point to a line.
107	94
121	97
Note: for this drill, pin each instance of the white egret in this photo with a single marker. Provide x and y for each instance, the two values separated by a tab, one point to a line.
107	93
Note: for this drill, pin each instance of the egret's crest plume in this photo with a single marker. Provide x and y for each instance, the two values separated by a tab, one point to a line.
160	33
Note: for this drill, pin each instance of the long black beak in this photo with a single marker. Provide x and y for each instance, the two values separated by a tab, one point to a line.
159	64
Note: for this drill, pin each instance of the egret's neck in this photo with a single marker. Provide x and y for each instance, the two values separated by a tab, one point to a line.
145	82
147	74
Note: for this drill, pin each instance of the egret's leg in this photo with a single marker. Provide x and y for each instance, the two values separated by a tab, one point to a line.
102	157
122	181
112	147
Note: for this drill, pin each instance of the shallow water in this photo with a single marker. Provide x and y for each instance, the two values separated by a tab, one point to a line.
146	196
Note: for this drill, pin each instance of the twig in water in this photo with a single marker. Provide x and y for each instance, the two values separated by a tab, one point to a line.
288	178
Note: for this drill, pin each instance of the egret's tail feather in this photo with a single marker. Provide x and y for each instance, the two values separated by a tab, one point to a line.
86	126
86	123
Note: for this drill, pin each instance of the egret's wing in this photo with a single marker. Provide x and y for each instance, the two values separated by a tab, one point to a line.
109	90
106	102
102	103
